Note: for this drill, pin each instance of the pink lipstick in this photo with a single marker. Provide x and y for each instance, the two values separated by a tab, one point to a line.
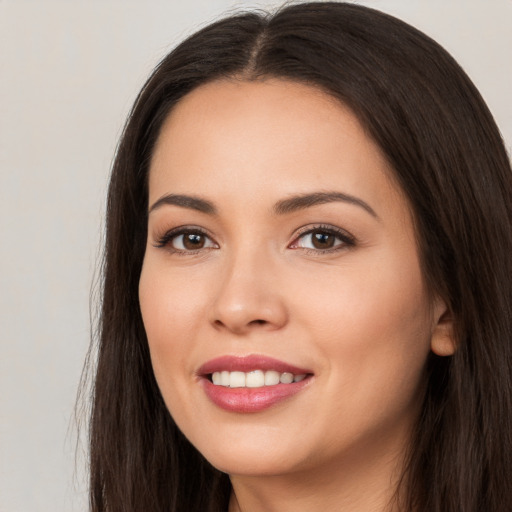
252	383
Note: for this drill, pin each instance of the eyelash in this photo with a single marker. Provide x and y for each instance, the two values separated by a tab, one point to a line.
165	240
346	238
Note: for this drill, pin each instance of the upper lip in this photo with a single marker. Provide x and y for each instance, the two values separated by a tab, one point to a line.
249	363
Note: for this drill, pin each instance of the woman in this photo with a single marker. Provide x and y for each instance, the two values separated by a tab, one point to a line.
307	287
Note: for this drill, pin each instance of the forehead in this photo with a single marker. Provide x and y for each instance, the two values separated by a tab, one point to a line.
252	109
235	138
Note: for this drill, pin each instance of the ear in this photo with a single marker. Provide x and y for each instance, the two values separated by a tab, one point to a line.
442	342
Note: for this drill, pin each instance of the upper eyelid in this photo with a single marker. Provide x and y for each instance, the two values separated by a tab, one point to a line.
162	240
178	230
327	228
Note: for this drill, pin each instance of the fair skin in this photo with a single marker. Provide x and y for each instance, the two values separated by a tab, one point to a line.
332	286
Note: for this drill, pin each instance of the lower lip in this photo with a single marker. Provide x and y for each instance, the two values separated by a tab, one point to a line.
247	400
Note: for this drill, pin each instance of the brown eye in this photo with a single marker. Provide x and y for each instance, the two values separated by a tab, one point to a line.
322	240
191	241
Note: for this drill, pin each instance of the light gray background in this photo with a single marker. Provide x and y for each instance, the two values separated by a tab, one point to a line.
69	71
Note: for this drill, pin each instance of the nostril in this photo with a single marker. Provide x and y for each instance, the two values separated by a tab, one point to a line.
240	317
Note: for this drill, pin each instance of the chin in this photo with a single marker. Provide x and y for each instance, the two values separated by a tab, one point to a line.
250	465
252	455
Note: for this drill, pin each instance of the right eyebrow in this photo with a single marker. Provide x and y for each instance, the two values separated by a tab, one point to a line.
185	201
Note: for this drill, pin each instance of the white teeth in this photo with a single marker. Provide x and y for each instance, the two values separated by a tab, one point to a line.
271	378
254	379
224	378
237	380
286	378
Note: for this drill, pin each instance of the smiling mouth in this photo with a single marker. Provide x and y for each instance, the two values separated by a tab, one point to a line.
253	379
251	383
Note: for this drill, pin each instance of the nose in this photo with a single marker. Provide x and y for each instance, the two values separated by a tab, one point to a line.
249	297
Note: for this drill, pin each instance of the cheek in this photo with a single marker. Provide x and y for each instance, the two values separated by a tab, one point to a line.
170	310
371	323
170	301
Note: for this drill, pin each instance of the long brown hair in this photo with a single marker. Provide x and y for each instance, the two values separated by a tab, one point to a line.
449	159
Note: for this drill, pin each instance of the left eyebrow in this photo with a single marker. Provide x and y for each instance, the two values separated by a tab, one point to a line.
185	201
303	201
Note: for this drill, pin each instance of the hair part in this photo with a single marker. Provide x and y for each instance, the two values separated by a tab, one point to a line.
449	160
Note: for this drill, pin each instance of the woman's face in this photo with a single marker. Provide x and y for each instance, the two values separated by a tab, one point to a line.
279	248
